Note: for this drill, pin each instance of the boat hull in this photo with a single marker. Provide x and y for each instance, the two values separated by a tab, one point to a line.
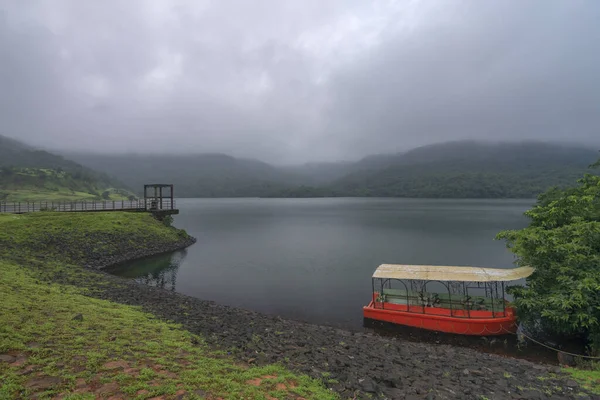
433	320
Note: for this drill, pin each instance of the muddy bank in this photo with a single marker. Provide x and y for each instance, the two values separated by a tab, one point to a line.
354	364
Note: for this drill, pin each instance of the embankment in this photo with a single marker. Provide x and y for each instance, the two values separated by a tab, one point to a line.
355	365
57	341
92	240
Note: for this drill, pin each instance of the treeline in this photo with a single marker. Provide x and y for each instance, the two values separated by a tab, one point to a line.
438	185
464	169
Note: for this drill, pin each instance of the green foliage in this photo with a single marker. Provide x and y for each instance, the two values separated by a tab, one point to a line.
63	236
59	332
167	220
160	358
27	174
447	170
589	378
562	242
45	184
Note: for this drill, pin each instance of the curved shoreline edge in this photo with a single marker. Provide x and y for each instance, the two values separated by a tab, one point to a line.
141	254
353	364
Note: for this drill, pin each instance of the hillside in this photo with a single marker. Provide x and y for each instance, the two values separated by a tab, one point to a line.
28	174
471	170
463	169
201	175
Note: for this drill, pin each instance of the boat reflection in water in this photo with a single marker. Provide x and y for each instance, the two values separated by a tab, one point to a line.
159	271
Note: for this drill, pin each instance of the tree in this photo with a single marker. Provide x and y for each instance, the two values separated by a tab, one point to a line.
562	243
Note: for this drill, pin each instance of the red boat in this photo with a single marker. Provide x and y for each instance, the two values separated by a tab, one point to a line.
460	300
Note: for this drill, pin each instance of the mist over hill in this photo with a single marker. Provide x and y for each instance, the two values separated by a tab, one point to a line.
30	174
461	169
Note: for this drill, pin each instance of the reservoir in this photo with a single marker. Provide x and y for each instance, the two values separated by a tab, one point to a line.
312	259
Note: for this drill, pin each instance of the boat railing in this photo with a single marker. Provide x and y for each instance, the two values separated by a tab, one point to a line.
459	299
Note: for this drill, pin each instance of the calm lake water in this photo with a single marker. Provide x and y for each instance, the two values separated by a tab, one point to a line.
312	259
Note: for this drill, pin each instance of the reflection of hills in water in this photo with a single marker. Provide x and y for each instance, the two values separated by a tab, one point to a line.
159	271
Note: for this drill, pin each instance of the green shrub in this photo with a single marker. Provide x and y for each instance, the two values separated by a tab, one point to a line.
562	243
167	221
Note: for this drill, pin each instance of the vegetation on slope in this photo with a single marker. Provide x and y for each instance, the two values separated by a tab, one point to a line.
27	174
201	175
82	238
462	169
55	340
43	184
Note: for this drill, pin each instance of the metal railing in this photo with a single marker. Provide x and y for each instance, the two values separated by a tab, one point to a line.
86	205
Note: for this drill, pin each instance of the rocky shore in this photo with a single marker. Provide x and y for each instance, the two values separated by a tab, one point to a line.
125	253
356	365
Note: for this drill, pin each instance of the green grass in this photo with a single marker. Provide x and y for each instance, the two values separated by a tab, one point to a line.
24	228
62	236
155	358
149	357
45	184
589	378
62	194
33	194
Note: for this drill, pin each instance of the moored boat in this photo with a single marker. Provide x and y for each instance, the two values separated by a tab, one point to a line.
459	300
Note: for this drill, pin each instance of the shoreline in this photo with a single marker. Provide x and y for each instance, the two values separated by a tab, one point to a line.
141	254
355	365
352	363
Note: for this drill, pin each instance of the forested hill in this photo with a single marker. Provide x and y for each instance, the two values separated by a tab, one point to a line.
201	175
471	170
29	174
463	169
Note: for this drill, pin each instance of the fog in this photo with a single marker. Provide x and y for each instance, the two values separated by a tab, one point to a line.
290	82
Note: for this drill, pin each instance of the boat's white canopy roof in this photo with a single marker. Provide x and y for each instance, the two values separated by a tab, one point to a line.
450	273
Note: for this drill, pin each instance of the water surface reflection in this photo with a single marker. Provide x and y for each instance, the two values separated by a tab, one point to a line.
159	271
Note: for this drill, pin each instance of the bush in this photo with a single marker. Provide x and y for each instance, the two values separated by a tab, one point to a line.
562	243
167	221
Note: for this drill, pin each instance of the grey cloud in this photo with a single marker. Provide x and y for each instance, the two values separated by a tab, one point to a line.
296	81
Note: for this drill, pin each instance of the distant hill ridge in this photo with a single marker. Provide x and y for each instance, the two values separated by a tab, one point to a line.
459	169
30	174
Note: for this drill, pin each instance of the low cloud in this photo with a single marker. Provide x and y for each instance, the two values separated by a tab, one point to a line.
297	81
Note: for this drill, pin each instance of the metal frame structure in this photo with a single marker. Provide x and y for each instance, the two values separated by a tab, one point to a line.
493	290
157	201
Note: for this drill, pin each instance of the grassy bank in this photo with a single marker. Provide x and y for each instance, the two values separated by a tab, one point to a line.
55	340
47	184
82	238
36	194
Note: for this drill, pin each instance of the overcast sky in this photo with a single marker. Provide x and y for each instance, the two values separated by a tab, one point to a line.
294	81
